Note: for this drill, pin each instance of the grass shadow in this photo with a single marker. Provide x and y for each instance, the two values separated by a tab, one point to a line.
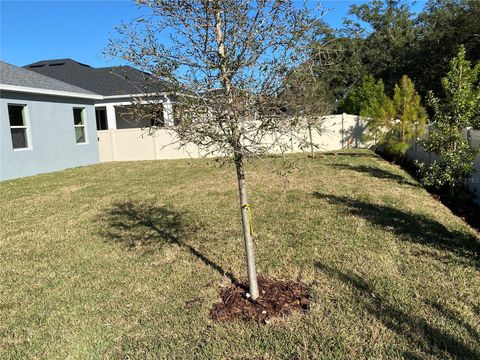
453	316
145	224
375	172
416	330
350	154
411	227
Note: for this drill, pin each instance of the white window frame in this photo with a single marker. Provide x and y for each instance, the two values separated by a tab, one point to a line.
26	121
83	125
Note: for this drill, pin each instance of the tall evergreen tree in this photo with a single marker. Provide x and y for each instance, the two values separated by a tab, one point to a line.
410	118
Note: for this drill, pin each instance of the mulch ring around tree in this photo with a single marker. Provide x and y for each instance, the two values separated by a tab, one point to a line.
277	299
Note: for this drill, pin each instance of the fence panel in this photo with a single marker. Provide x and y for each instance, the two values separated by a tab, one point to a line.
417	152
474	141
337	132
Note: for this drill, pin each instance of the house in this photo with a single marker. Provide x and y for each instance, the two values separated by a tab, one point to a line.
45	124
117	85
121	135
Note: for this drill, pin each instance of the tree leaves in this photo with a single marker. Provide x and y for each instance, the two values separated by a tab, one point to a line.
457	110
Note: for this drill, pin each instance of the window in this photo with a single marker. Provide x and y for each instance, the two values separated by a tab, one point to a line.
101	117
79	123
18	126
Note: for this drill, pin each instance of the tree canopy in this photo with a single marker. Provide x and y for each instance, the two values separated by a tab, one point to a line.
386	39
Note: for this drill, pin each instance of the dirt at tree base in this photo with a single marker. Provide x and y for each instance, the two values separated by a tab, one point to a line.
277	299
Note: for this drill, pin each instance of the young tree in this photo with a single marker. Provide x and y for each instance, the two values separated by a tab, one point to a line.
370	101
410	118
227	61
456	111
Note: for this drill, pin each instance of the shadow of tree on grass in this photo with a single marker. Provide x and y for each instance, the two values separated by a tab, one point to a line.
416	330
144	224
412	227
454	317
375	172
350	154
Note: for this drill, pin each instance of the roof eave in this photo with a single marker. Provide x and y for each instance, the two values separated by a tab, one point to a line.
107	97
30	90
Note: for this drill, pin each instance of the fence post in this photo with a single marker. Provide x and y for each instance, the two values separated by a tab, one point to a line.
113	143
154	137
357	127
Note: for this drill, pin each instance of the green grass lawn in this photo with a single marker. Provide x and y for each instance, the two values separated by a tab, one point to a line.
126	259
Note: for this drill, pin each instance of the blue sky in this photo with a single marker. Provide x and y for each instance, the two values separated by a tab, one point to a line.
37	30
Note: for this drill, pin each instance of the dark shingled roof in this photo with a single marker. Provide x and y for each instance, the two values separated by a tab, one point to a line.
17	76
107	81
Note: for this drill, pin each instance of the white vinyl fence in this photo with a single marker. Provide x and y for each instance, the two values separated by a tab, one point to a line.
338	132
417	152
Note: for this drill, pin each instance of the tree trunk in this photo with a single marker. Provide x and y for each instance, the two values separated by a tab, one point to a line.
233	120
247	233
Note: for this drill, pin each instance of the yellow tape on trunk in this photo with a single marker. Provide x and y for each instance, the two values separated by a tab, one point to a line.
247	206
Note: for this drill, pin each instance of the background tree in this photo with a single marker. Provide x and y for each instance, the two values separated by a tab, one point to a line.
387	40
410	118
440	29
375	39
227	61
387	30
346	68
456	111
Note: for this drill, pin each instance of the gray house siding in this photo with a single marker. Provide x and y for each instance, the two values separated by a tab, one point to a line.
51	134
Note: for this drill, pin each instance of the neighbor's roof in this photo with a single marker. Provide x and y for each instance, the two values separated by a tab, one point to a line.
18	79
107	81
